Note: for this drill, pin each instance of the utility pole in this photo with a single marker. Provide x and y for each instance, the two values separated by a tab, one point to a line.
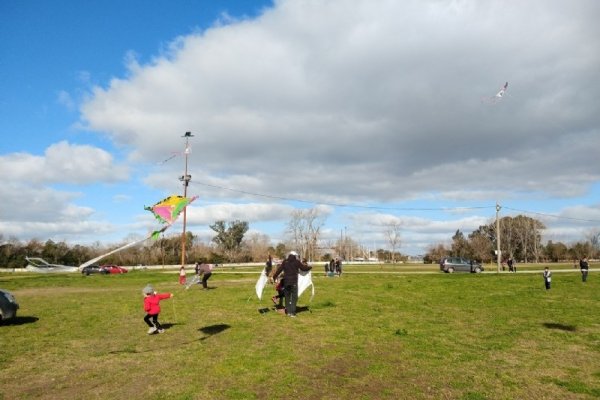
185	178
498	252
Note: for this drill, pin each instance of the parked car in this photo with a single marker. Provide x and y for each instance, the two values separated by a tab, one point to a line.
452	264
8	306
113	269
93	269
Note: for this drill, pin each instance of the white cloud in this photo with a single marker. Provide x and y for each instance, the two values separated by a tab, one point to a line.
355	102
65	163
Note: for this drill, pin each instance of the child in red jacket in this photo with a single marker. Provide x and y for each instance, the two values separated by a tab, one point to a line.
152	308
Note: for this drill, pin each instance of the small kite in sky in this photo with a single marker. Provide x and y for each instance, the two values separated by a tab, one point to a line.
498	96
167	210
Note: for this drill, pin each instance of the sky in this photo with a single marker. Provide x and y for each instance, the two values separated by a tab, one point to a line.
371	112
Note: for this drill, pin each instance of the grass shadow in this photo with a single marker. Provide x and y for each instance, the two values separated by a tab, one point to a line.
561	327
20	321
213	330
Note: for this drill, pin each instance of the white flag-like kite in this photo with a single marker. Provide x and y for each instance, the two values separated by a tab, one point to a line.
304	281
260	284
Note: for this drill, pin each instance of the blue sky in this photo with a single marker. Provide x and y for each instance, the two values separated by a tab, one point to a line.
385	107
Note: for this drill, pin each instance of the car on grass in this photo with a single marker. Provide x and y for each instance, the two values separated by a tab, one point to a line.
114	269
93	269
459	264
8	306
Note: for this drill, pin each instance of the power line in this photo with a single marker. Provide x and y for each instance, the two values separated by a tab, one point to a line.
552	215
343	205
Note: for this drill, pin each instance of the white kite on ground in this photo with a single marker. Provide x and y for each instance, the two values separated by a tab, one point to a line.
37	264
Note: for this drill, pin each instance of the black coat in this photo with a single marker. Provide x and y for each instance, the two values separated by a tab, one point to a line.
290	269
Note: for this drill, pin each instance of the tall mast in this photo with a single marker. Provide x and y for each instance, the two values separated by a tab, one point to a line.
186	178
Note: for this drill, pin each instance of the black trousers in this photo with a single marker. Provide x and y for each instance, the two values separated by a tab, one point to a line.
291	298
205	279
152	321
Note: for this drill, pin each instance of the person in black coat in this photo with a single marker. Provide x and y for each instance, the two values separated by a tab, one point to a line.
584	266
290	267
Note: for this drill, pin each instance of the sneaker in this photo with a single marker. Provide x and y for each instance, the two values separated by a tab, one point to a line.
161	331
293	315
151	330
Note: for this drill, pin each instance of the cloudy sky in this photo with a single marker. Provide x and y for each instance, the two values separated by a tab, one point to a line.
371	111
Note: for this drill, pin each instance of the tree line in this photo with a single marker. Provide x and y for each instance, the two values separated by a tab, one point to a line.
520	239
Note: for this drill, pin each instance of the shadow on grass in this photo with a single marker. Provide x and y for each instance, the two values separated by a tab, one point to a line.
213	330
561	327
19	321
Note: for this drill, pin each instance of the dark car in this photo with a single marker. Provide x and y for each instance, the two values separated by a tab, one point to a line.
93	269
113	269
8	306
452	264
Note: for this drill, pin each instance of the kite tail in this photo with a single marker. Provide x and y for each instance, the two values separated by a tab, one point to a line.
93	260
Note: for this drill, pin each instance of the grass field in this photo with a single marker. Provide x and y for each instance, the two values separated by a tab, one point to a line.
378	334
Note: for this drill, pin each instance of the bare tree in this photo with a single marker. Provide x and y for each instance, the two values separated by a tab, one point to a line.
392	232
304	228
258	246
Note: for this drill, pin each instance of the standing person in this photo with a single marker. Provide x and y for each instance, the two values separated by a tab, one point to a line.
269	268
197	271
338	266
584	266
152	308
290	268
206	272
182	275
547	277
510	265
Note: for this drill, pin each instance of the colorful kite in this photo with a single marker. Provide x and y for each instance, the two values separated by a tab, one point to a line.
167	210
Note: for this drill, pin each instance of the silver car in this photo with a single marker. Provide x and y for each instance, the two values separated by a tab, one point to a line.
8	305
452	264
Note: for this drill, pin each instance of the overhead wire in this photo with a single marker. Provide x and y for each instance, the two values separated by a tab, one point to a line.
342	204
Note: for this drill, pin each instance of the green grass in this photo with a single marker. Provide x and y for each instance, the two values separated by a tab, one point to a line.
379	335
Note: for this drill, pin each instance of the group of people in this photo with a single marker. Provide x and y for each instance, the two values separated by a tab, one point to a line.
285	279
203	272
334	267
583	266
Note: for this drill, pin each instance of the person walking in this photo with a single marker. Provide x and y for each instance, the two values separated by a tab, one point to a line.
584	266
152	308
511	265
547	278
290	267
269	269
206	272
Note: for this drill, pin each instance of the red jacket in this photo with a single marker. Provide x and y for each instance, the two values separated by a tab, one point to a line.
151	303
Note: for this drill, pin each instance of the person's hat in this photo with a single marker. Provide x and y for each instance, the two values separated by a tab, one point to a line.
293	253
148	289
